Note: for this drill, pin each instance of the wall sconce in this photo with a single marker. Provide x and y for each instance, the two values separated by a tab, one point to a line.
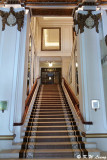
95	104
76	65
3	105
50	64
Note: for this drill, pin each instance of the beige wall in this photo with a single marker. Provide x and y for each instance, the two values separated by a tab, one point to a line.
66	36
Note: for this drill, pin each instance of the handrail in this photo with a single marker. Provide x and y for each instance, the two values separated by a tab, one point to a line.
94	135
75	103
27	103
7	137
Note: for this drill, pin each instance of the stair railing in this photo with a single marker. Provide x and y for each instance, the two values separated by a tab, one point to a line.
27	103
75	102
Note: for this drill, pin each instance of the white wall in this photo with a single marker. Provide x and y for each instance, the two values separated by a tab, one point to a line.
65	66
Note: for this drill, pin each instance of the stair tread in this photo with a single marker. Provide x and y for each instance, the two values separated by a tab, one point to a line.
51	126
68	136
49	150
53	131
53	143
50	112
51	122
50	118
61	114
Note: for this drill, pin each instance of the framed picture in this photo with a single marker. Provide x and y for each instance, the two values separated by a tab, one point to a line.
51	39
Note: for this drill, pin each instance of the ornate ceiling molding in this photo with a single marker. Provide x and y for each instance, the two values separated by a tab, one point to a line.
89	21
12	18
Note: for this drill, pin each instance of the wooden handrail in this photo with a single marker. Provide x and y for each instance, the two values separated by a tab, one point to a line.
75	102
27	103
7	137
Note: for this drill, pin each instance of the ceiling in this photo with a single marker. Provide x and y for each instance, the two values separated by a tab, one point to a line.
55	7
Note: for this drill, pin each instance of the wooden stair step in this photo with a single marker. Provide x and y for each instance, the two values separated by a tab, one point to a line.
50	122
66	146
45	128
45	98
60	134
71	136
59	114
54	150
49	103
49	118
52	126
45	109
52	143
50	107
60	131
50	111
49	100
46	120
48	134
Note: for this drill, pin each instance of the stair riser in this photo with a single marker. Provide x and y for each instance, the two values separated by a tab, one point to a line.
49	116
48	113
48	128
47	140
50	155
48	120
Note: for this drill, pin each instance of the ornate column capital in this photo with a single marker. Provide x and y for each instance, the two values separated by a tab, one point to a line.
87	19
12	18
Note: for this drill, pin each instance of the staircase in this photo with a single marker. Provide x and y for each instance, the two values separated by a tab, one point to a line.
50	130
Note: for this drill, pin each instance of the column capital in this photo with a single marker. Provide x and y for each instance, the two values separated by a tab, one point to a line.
86	18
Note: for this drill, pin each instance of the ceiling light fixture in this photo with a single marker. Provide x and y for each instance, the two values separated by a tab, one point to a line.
50	64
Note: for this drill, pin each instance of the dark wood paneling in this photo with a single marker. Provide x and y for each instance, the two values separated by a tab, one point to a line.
56	1
53	12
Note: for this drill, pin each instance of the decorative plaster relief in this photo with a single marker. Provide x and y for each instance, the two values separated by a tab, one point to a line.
89	21
12	18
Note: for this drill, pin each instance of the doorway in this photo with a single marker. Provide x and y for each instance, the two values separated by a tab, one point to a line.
50	75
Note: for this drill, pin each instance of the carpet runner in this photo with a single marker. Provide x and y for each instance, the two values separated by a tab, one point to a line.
51	131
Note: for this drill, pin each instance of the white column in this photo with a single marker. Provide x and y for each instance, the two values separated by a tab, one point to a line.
91	82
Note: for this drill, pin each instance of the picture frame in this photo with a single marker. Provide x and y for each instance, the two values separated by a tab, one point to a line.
51	39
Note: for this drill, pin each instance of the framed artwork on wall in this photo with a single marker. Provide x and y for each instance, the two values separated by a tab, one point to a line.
51	39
